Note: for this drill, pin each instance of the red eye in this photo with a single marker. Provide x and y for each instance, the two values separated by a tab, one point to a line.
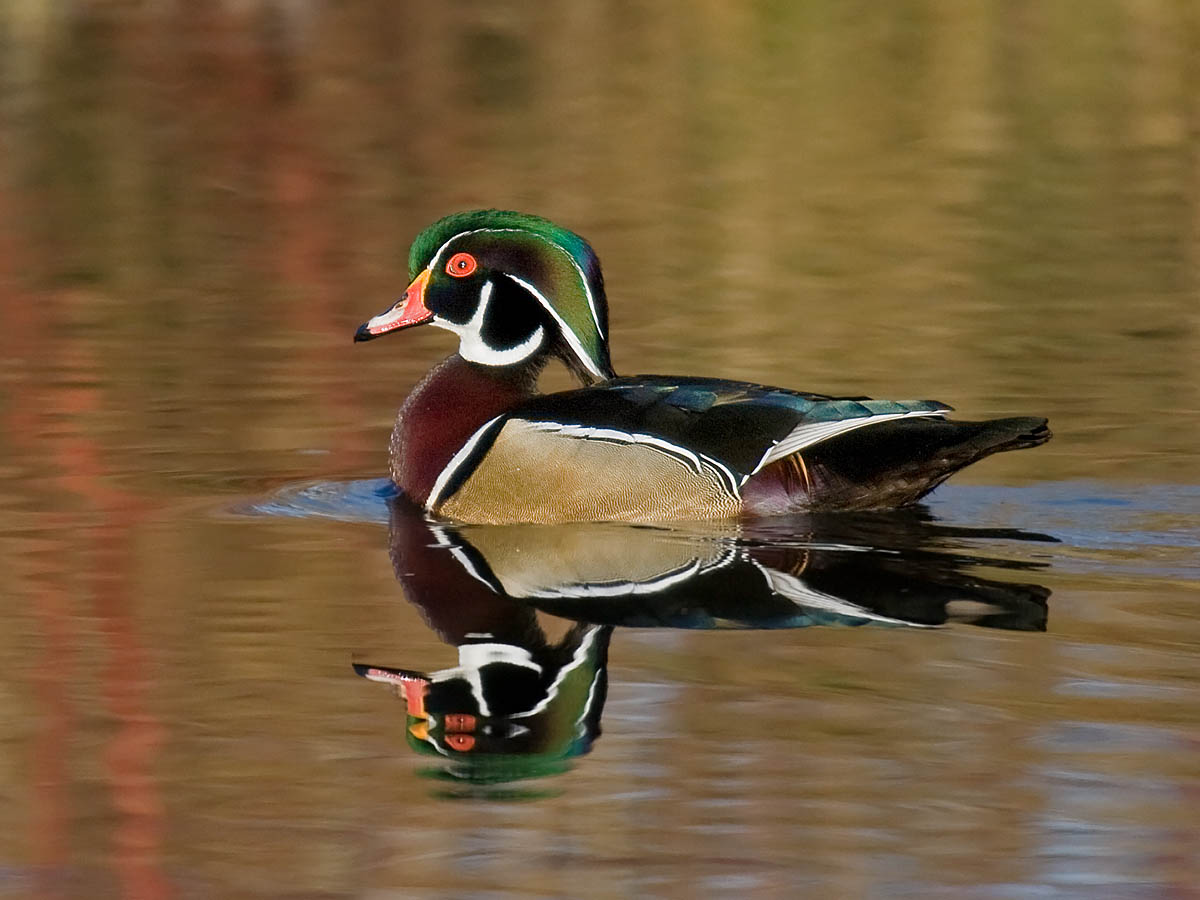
459	722
460	265
463	743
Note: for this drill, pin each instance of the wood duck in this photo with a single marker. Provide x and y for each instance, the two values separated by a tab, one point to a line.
475	442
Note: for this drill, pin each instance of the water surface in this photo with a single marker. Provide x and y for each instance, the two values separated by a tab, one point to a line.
990	204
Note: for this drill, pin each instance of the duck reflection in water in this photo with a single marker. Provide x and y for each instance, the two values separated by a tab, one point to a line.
521	704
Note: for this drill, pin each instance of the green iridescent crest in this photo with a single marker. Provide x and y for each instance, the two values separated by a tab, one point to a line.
555	265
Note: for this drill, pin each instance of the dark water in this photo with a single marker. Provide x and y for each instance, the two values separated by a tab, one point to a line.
996	695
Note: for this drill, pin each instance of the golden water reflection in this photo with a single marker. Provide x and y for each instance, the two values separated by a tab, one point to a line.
989	203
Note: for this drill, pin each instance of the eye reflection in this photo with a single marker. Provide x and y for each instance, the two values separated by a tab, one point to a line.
459	722
463	743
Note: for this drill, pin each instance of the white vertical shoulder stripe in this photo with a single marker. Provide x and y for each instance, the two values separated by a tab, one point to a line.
456	460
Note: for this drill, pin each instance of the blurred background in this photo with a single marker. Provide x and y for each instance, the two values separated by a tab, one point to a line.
994	203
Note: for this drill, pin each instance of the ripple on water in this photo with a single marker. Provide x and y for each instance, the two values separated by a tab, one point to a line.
1104	529
364	500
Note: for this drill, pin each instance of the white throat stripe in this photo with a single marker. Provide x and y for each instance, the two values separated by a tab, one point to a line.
472	346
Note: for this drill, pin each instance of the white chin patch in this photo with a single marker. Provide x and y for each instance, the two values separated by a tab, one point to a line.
472	347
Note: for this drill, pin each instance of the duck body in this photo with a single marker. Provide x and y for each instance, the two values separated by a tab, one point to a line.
476	443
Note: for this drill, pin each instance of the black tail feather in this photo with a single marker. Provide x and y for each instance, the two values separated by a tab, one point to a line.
898	462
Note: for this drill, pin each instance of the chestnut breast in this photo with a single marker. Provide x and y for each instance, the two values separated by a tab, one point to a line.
442	412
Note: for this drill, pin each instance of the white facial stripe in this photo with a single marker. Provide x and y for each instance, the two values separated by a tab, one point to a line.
436	256
570	335
471	345
587	288
572	338
578	658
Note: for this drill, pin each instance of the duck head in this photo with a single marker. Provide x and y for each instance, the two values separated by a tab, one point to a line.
515	288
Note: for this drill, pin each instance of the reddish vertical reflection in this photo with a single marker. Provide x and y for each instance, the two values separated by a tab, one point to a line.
109	561
49	601
302	206
132	754
25	417
92	552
